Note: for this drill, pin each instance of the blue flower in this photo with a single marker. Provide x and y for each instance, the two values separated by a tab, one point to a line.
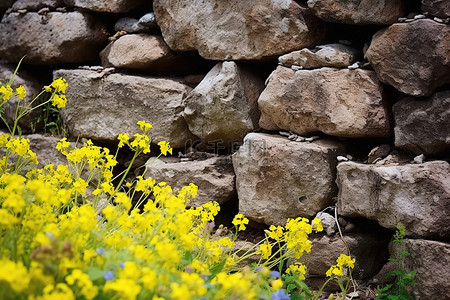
108	275
101	251
280	295
274	274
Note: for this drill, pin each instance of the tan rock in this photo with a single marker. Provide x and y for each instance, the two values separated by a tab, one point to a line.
108	6
412	57
398	195
35	5
358	12
223	107
277	179
237	30
330	55
72	37
339	102
423	125
102	108
213	176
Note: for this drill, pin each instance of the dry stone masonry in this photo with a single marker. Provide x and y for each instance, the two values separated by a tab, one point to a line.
279	108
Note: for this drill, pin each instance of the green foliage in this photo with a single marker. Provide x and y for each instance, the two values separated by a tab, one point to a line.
399	290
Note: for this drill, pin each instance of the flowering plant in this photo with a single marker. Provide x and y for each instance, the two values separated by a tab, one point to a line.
70	232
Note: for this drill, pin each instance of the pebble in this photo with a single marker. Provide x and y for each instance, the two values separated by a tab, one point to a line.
417	17
292	137
349	157
61	9
401	20
148	20
22	11
409	20
312	139
129	25
284	133
296	68
44	11
419	159
439	20
300	139
354	66
341	158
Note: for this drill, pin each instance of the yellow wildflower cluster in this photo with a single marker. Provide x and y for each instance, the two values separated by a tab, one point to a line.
6	92
340	268
58	90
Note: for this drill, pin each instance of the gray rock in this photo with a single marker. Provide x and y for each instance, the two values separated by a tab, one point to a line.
393	195
108	6
277	179
358	12
32	85
423	125
328	222
339	102
214	177
35	5
45	149
71	37
438	8
143	52
224	105
102	108
369	251
237	30
431	260
412	57
148	20
330	55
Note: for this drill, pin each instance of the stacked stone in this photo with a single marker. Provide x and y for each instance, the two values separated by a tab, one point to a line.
295	127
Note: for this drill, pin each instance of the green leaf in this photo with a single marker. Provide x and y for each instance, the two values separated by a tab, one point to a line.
94	273
216	269
303	287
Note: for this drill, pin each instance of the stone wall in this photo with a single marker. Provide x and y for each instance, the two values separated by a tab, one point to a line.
279	109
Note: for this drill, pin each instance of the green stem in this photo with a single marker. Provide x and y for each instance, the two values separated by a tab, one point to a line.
321	289
125	174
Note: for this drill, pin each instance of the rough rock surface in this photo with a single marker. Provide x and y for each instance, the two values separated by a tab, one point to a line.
423	125
224	105
141	52
235	30
101	108
108	6
277	179
414	195
330	55
71	37
412	57
340	102
214	177
35	5
431	260
33	87
369	250
358	12
45	149
438	8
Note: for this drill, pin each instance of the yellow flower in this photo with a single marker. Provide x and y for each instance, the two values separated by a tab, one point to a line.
144	126
240	221
298	269
275	232
59	100
21	92
59	85
15	274
265	250
277	284
165	147
123	139
7	92
317	225
343	261
63	145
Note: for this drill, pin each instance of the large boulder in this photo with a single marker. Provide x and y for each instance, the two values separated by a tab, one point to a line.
416	196
277	179
412	57
35	5
431	260
330	55
214	177
102	108
422	125
45	149
32	85
438	8
237	30
369	250
224	105
358	12
143	52
108	6
339	102
72	37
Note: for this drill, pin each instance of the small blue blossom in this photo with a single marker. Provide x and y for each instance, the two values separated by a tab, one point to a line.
274	274
122	265
280	295
108	275
101	251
